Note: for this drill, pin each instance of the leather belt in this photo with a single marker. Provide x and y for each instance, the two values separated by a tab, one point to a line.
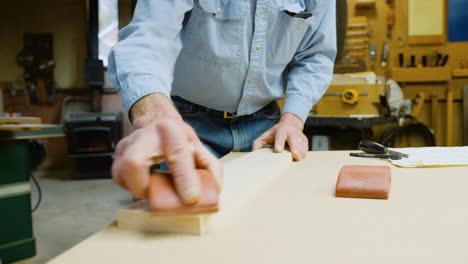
269	109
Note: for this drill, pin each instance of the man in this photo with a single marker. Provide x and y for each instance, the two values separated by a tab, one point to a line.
225	63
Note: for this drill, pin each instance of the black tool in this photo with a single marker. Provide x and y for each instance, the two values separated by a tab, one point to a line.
413	61
375	155
424	61
376	148
434	59
444	61
385	105
439	59
401	60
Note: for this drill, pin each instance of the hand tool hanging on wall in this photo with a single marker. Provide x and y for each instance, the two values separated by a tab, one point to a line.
413	61
401	60
390	22
438	59
434	58
373	54
424	61
444	61
385	50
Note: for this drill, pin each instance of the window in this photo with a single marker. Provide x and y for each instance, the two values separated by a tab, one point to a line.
108	27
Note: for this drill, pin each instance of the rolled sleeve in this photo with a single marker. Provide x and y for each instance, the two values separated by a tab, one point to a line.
312	66
297	105
146	84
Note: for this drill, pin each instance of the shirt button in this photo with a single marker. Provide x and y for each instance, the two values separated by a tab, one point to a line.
262	10
218	10
300	26
252	80
258	47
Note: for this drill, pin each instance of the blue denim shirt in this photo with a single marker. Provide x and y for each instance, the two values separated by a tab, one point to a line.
227	55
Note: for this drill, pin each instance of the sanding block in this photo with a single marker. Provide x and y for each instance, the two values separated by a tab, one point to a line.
364	182
164	200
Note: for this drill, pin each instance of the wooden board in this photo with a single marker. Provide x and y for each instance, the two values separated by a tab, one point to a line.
137	217
244	178
297	219
20	120
19	127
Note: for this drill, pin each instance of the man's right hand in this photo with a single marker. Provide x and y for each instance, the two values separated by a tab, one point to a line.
162	134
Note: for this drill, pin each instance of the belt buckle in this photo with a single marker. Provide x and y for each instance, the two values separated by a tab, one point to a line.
228	115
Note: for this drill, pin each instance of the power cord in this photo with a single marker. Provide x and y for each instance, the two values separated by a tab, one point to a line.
37	154
39	193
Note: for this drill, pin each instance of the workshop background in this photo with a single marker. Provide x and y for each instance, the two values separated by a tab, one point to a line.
401	79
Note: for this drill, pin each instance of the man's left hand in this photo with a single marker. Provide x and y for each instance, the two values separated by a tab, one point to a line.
289	129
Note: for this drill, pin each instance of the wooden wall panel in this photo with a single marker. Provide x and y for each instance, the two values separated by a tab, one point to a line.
399	43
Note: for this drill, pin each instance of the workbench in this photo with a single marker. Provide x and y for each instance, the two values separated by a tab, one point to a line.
16	235
297	219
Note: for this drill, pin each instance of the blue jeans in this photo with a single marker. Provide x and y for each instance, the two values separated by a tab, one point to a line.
221	135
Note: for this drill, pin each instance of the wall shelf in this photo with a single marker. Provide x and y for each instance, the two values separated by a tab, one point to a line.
460	73
428	74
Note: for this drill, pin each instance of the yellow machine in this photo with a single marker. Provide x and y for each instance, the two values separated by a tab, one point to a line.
347	100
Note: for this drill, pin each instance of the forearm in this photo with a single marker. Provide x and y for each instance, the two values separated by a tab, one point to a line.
152	107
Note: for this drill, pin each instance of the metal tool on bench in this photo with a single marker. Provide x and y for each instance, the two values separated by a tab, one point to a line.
376	150
350	96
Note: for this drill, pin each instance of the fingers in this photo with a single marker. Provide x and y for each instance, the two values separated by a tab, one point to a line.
179	152
280	139
131	164
206	160
266	138
298	145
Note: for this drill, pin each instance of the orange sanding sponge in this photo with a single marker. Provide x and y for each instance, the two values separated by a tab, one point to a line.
164	200
364	182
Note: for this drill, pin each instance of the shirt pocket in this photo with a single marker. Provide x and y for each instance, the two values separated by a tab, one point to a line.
288	30
214	33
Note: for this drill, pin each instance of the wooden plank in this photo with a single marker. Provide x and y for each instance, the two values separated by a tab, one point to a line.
44	131
20	120
137	217
19	127
297	219
244	178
